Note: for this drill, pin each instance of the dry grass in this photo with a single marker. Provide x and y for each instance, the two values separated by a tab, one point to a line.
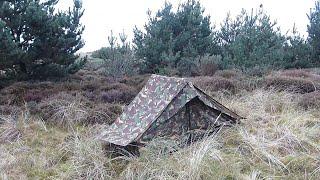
279	139
86	157
64	110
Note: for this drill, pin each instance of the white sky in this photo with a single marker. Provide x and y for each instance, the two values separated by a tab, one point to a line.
101	16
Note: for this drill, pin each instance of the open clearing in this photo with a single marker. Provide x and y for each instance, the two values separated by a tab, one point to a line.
48	130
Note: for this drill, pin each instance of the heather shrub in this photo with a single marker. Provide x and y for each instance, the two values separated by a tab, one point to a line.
90	86
118	92
310	100
215	83
230	74
136	81
104	113
117	96
13	95
21	92
297	73
36	95
296	84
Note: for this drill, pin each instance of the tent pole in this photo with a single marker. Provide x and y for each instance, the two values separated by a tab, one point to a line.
189	122
189	115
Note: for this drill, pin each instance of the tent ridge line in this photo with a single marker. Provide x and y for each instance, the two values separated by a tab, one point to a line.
224	108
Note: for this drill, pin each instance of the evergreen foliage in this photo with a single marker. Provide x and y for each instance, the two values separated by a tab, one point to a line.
314	32
297	52
251	40
175	39
37	42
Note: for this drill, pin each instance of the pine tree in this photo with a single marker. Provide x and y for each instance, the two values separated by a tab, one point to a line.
314	32
172	39
43	43
297	51
252	40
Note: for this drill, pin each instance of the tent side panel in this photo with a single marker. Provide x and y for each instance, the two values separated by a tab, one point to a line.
209	101
172	128
206	118
170	119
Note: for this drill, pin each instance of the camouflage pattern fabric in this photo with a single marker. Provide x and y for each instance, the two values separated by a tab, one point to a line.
160	110
199	117
144	109
170	118
209	101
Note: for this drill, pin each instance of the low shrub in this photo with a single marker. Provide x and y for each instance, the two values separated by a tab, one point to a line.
37	94
310	100
136	81
118	92
209	64
91	86
295	84
215	83
104	113
229	74
296	73
116	96
21	92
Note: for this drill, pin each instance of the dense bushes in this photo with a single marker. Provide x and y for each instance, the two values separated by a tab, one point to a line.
175	42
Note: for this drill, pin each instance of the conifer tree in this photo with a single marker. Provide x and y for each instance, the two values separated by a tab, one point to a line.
38	42
314	32
175	38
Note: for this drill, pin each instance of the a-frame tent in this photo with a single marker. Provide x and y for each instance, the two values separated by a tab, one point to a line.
169	107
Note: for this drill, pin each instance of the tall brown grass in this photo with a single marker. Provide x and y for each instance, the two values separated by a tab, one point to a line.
279	139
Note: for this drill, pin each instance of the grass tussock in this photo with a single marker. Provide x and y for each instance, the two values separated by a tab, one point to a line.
43	137
64	110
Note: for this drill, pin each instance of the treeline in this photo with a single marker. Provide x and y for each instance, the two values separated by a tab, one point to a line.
38	42
184	42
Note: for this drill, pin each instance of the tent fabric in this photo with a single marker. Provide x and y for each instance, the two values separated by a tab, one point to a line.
144	109
201	117
161	109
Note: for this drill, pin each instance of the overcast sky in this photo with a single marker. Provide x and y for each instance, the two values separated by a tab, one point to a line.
101	16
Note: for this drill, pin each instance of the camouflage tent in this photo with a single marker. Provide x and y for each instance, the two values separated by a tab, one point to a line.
168	107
